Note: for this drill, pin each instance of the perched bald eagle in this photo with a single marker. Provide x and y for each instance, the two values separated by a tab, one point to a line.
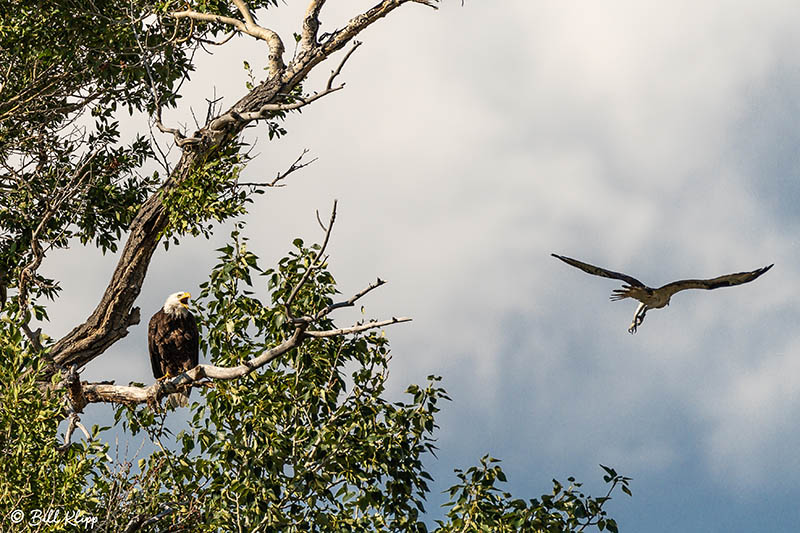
174	343
656	298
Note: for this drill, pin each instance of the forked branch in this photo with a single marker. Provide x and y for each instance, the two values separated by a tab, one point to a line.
248	26
266	110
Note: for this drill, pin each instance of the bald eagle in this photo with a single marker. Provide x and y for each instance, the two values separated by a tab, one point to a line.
174	343
657	298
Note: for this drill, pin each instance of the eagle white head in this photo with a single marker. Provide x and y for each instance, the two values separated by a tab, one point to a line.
176	303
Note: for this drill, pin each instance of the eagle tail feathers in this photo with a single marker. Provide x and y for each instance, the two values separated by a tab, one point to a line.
178	399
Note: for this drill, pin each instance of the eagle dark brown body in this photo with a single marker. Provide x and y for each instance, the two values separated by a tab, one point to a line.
174	343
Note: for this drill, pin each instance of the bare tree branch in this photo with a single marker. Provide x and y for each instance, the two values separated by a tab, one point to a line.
297	165
80	394
358	328
73	417
264	111
308	39
338	69
249	26
181	140
351	301
199	375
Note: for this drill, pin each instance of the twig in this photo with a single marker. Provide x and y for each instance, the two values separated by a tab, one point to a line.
281	175
218	43
338	69
315	264
350	301
372	324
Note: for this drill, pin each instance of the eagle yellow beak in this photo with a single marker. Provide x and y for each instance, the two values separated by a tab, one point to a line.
184	297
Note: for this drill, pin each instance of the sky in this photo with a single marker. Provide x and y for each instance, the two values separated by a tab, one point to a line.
470	143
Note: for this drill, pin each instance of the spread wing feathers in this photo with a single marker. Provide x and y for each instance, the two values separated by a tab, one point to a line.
728	280
597	271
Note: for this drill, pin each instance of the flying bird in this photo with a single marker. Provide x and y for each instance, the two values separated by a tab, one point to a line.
174	343
651	298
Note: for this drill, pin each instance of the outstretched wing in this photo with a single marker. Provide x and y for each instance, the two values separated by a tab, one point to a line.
728	280
597	271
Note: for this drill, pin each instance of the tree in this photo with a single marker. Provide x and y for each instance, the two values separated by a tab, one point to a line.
293	432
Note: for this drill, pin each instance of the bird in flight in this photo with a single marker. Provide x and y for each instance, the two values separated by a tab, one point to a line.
651	298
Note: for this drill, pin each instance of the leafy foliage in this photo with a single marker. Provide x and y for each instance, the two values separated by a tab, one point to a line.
210	194
478	505
66	169
38	473
309	444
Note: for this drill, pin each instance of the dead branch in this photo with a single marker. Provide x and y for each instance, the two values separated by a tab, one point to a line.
265	110
248	26
297	165
308	38
199	375
358	328
351	301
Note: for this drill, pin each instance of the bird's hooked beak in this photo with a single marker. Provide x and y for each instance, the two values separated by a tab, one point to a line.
184	298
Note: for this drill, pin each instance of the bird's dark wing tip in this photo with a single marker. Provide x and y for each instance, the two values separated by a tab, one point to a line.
763	270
